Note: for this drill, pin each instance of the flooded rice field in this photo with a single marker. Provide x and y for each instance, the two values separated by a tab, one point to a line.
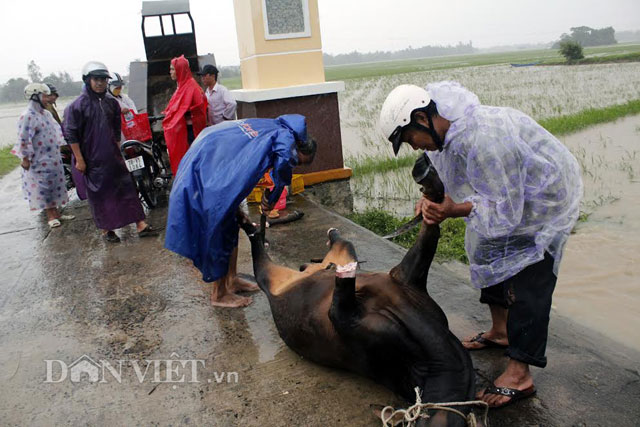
599	279
541	92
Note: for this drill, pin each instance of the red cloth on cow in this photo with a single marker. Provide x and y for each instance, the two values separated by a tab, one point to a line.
189	97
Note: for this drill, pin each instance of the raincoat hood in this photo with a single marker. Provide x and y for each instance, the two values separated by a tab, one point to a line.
183	72
452	100
297	124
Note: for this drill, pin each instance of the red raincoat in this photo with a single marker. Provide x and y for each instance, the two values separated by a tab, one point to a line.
189	97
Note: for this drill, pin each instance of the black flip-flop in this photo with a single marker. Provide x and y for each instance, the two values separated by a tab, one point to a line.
111	237
148	231
512	393
486	342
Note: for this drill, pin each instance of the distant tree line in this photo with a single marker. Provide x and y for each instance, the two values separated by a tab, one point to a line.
229	71
13	89
587	36
409	53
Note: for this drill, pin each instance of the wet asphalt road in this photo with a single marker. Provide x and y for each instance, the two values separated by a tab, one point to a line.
65	293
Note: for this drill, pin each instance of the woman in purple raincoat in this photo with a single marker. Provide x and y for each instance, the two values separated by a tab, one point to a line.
92	129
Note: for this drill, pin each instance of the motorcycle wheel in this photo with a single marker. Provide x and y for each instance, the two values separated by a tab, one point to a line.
68	178
148	192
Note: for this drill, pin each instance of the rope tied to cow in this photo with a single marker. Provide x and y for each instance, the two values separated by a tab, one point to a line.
412	413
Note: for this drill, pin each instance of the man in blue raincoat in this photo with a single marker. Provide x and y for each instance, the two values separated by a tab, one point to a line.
218	172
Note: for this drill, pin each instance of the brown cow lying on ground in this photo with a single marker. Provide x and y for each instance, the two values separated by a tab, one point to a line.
382	325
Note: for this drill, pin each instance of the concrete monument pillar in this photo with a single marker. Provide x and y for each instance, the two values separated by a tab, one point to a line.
282	73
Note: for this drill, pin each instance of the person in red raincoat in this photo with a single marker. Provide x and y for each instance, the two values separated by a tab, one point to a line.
186	114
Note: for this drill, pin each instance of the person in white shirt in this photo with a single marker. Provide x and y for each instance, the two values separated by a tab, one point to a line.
126	103
222	106
115	89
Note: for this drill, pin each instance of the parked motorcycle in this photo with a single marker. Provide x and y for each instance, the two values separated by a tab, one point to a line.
66	155
148	165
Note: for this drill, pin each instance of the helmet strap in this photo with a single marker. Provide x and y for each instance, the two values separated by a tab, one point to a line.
36	98
430	130
433	133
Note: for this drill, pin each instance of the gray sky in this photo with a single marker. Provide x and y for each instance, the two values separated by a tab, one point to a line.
64	34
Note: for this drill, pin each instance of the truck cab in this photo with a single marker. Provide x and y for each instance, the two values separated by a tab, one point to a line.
168	31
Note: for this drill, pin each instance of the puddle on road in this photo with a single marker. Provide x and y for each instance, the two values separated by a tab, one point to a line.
599	275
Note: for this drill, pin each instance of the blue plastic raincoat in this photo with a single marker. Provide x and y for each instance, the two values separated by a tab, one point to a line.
220	169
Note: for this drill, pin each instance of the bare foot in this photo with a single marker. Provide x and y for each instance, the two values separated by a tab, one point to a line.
231	301
241	285
472	342
517	376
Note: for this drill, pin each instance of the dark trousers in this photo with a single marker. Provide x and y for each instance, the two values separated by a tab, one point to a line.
190	136
527	296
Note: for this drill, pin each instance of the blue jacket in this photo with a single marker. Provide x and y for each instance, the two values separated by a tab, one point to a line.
220	169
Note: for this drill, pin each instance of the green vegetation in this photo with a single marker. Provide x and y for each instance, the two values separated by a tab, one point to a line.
450	246
625	57
366	165
575	122
571	50
7	161
231	83
587	36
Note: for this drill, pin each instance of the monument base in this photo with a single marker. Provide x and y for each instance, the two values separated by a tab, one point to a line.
319	104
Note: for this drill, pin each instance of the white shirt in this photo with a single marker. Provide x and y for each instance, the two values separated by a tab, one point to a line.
222	106
126	102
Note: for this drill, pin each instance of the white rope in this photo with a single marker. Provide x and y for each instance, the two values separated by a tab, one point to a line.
412	413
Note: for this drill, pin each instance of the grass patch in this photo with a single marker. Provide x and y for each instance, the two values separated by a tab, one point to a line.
8	161
450	246
366	165
575	122
232	82
628	57
583	216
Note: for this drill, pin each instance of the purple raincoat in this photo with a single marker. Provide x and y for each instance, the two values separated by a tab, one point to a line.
94	122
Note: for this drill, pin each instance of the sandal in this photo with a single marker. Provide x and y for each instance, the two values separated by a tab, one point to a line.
111	237
485	342
148	231
54	223
513	393
67	217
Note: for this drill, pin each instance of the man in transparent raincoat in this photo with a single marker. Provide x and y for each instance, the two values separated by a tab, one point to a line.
519	189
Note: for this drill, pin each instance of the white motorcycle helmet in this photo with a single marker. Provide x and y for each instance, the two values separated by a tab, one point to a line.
34	90
94	69
396	113
116	81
